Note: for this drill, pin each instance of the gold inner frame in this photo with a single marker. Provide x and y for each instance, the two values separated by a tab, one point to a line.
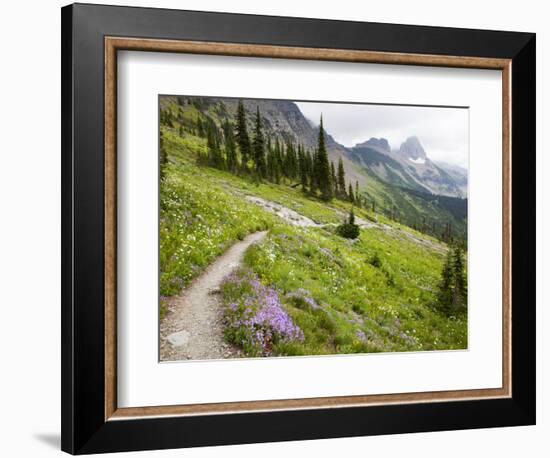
114	44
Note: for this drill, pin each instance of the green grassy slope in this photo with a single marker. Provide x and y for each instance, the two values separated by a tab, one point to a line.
369	295
410	208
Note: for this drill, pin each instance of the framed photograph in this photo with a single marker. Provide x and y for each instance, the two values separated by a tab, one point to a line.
281	228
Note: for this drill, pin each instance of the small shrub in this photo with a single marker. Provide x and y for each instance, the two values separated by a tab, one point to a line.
348	231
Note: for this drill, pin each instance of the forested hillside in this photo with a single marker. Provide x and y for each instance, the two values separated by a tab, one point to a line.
287	133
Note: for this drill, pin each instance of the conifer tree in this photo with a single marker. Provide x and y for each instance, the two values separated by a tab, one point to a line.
241	133
460	293
302	161
270	161
290	161
333	179
258	147
357	196
310	172
277	161
200	127
323	167
163	159
230	147
445	287
452	293
351	219
215	158
350	194
314	183
341	179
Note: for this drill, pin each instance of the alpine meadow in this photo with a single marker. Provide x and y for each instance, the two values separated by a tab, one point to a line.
293	228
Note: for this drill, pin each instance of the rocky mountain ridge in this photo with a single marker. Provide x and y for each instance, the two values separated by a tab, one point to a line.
409	166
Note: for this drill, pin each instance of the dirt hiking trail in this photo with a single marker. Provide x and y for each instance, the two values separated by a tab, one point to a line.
193	325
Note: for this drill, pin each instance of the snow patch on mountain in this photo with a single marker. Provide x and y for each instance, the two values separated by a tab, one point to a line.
418	160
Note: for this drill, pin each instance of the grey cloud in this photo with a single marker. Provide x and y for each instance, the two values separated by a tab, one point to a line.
442	131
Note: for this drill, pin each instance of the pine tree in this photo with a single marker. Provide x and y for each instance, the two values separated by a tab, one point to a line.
290	162
214	155
314	180
163	157
323	167
351	219
277	160
310	172
302	161
333	179
200	127
258	147
452	294
357	196
350	194
241	133
460	289
445	287
270	162
341	179
230	147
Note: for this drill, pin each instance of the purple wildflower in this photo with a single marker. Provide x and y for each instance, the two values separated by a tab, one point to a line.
255	316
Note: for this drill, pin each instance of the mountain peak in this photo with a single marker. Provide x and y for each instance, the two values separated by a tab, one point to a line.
412	149
380	143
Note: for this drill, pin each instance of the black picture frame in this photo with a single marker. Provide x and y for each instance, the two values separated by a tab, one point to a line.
84	428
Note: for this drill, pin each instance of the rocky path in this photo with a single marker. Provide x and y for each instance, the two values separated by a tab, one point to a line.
283	212
296	219
193	325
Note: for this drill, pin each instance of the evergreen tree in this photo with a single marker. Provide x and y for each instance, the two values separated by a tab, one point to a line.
452	293
290	161
258	147
322	166
277	161
348	228
200	127
270	161
350	194
357	196
314	179
460	289
445	287
230	147
215	158
163	157
241	133
341	179
302	161
351	219
310	172
333	179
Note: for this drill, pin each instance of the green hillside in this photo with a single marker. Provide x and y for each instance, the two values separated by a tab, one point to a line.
329	294
413	209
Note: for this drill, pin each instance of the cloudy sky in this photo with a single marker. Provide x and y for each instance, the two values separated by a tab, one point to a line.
443	132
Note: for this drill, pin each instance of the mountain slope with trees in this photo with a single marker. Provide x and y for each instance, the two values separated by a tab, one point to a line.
326	287
290	144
